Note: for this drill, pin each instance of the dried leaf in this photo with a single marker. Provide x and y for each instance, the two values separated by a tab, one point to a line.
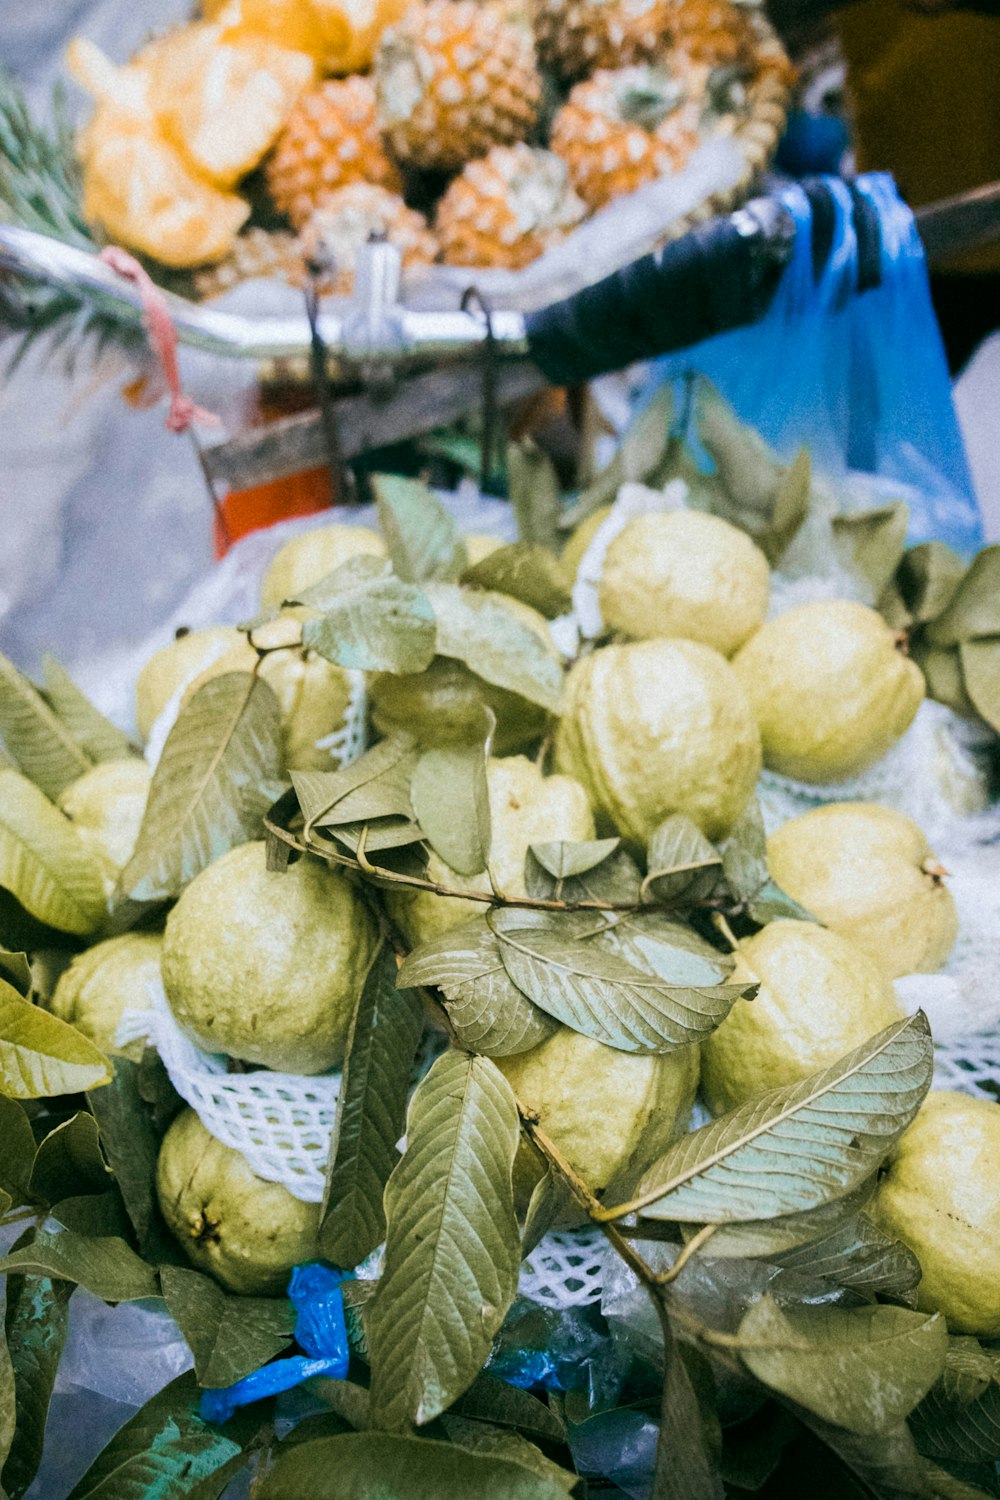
217	777
452	1244
802	1145
385	1032
422	538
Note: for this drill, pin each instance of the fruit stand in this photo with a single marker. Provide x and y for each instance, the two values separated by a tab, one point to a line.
497	993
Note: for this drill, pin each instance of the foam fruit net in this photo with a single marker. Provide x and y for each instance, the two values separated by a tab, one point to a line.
282	1123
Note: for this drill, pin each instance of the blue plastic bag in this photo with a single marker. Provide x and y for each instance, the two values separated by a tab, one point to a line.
860	378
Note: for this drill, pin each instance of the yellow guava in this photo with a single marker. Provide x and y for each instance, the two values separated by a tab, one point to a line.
820	997
245	1232
479	544
940	1197
596	1102
683	573
831	689
659	727
868	873
307	558
525	808
169	671
111	977
573	552
106	805
268	967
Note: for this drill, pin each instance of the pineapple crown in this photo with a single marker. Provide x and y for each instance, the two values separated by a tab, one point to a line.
644	96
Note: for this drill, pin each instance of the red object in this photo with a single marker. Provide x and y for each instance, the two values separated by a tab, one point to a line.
243	511
162	337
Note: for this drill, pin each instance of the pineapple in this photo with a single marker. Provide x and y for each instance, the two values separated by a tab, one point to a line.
507	208
352	30
330	139
623	128
136	186
340	35
349	218
453	78
221	104
576	36
290	23
258	252
714	32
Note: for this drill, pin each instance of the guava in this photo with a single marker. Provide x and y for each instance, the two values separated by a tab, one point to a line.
267	967
307	558
479	544
596	1103
940	1198
868	873
574	550
820	997
659	727
119	974
168	671
245	1232
106	805
445	702
683	573
525	808
831	688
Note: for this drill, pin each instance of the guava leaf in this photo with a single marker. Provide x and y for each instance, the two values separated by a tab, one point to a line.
452	1245
535	493
789	508
860	1255
798	1146
681	862
563	860
376	785
491	1400
599	994
451	801
16	970
106	1267
40	744
887	1466
96	736
942	669
484	1438
939	1484
768	1239
980	662
487	1010
373	624
348	1401
163	1451
101	1215
750	472
44	863
744	853
526	571
772	904
41	1055
870	543
131	1138
974	608
69	1160
615	878
228	1336
18	1154
8	1398
927	578
489	638
674	952
643	455
36	1321
373	1465
959	1421
384	1036
216	779
684	1466
861	1368
422	538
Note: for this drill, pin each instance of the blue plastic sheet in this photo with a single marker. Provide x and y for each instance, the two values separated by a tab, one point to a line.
320	1331
860	378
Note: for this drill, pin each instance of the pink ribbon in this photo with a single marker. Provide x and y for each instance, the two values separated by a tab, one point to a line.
162	338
